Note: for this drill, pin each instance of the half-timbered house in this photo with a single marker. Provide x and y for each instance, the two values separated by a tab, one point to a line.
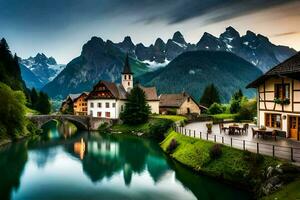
278	97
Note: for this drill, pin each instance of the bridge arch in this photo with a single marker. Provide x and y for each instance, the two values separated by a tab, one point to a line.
82	122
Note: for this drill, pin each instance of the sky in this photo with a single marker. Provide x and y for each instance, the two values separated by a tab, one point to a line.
59	28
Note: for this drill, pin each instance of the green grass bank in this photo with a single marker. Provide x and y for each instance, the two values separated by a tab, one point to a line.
244	169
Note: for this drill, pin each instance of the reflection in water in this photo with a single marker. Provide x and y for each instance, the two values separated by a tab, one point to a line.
55	129
12	163
96	166
79	148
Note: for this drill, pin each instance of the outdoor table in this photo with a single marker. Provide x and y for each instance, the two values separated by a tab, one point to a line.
234	128
263	132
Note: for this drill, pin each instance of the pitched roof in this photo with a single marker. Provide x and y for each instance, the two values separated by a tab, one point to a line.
73	96
83	93
289	68
117	91
127	68
172	100
150	93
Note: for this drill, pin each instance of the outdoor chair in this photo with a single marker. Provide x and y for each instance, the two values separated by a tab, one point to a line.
245	128
222	128
254	132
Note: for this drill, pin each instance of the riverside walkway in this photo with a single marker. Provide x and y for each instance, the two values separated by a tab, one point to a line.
282	148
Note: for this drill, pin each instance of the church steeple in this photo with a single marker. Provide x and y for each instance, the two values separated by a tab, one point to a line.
127	69
127	75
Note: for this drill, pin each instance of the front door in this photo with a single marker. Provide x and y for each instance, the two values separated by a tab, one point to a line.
294	127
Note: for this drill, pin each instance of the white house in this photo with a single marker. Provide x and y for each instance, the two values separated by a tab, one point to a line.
278	97
107	99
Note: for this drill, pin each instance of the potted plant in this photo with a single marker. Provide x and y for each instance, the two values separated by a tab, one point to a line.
209	127
285	101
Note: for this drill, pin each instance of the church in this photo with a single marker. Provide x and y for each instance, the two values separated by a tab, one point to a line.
108	99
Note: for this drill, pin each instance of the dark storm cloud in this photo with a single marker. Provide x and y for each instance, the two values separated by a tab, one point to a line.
176	11
47	14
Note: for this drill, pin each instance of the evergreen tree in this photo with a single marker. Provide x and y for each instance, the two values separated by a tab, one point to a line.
43	105
34	97
10	72
235	102
210	96
238	95
136	110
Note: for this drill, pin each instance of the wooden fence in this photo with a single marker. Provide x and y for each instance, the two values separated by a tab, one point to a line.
283	152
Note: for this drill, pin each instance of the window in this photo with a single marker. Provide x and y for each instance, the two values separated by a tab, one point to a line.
107	114
114	105
99	105
91	113
128	83
188	99
107	105
129	77
282	91
125	77
273	120
98	114
92	105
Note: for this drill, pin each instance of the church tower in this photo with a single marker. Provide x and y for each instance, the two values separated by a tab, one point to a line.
127	76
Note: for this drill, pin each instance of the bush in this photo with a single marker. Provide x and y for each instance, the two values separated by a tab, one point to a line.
12	111
172	146
216	108
158	127
32	128
248	111
235	106
252	158
103	127
215	151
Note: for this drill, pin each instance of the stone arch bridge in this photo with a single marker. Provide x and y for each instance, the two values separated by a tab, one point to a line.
82	122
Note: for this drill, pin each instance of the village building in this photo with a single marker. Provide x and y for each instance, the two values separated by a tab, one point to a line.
180	104
108	99
80	104
278	97
67	104
75	104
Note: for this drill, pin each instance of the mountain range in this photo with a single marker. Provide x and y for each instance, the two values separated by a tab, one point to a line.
98	60
254	48
192	71
39	70
104	60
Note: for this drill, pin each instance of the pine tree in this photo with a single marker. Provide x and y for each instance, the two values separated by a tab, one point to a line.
236	101
210	96
10	72
136	110
238	95
34	97
43	105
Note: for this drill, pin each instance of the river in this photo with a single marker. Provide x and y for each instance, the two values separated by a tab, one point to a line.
69	164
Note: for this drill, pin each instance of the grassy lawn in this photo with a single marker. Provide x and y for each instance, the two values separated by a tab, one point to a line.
124	128
155	128
174	118
288	192
224	116
232	165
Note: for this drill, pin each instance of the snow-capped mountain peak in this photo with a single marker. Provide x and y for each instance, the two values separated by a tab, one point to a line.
45	68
